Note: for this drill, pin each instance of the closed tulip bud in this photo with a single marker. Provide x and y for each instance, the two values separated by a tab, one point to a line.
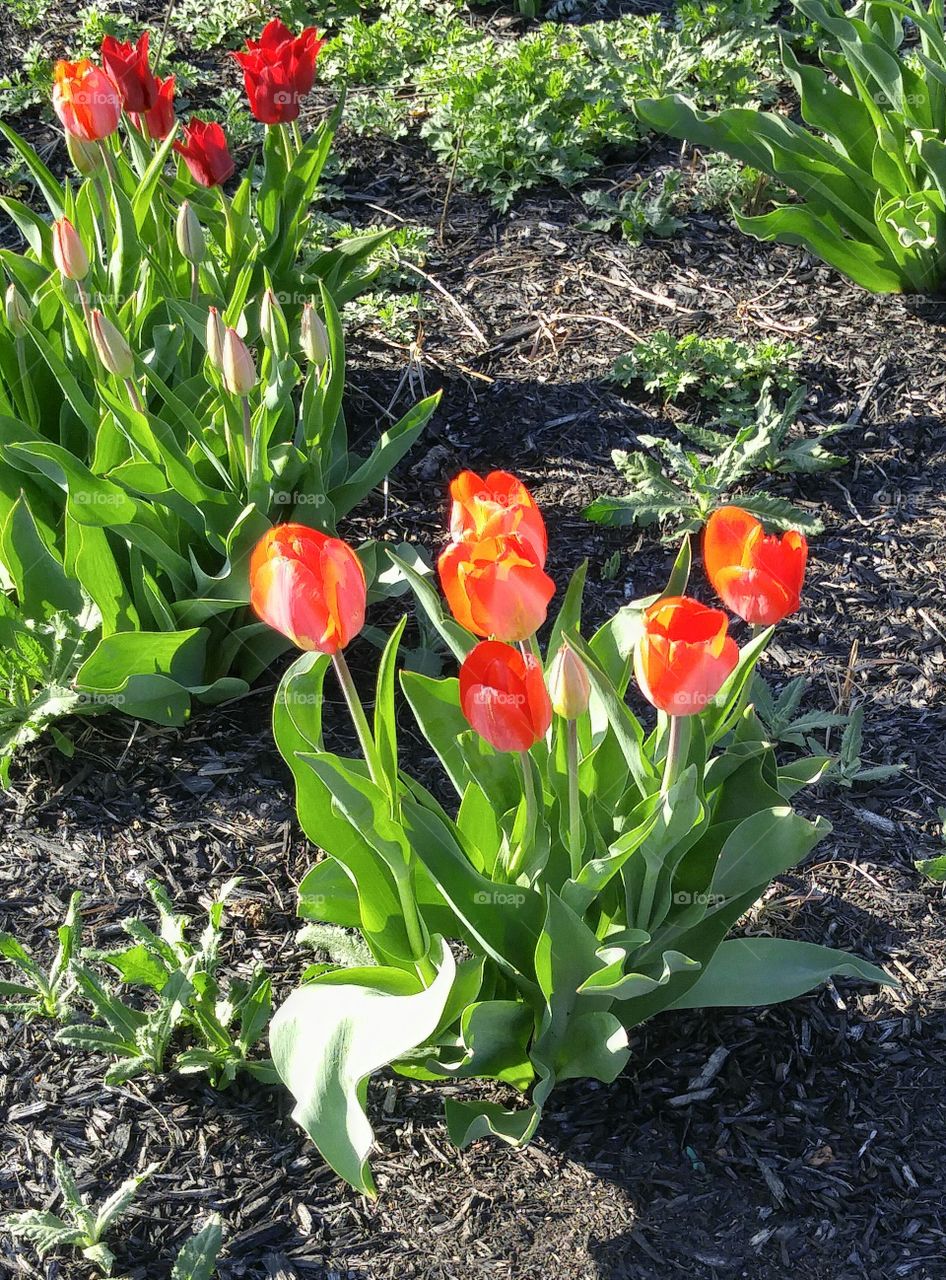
190	235
86	156
215	336
239	371
68	251
270	313
15	310
569	685
314	337
113	350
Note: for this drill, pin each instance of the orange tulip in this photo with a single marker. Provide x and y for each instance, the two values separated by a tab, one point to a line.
495	587
86	100
503	696
68	251
758	575
308	586
683	655
496	506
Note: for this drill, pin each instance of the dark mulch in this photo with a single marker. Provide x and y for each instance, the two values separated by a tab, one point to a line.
801	1141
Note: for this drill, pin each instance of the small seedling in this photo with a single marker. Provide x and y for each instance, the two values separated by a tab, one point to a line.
43	994
848	769
648	210
81	1228
935	868
782	721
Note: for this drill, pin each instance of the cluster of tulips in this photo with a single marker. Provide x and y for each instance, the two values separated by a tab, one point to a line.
278	73
311	587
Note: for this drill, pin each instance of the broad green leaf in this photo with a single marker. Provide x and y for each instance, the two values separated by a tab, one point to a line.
332	1034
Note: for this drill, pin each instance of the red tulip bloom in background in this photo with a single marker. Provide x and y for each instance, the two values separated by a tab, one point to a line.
503	695
158	121
278	71
684	655
206	153
758	575
496	506
496	587
128	66
85	100
308	586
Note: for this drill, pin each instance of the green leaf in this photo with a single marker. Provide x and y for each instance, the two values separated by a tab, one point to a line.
760	971
385	455
198	1259
331	1035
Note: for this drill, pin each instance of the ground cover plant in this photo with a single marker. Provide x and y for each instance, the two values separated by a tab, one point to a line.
145	446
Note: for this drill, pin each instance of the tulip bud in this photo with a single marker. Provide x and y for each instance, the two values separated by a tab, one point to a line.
314	337
569	686
215	337
16	311
68	251
85	156
239	371
190	235
113	350
270	313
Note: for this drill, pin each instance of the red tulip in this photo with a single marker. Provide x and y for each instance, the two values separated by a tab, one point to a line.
85	100
758	575
206	153
158	121
497	506
496	587
279	70
683	655
503	695
128	66
308	586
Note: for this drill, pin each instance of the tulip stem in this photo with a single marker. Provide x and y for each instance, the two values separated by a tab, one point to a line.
674	754
405	878
286	144
297	135
574	811
532	817
133	395
247	437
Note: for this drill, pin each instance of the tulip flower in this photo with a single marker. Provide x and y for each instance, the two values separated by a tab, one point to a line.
278	71
158	121
86	156
86	100
216	333
757	575
309	586
569	684
68	251
113	351
15	310
503	696
496	506
239	370
128	66
189	234
684	655
205	152
313	337
496	587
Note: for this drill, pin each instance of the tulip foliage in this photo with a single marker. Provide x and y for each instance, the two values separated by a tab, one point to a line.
869	162
589	865
171	376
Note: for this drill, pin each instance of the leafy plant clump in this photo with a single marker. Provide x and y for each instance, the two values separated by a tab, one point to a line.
81	1227
677	487
40	993
726	373
869	162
